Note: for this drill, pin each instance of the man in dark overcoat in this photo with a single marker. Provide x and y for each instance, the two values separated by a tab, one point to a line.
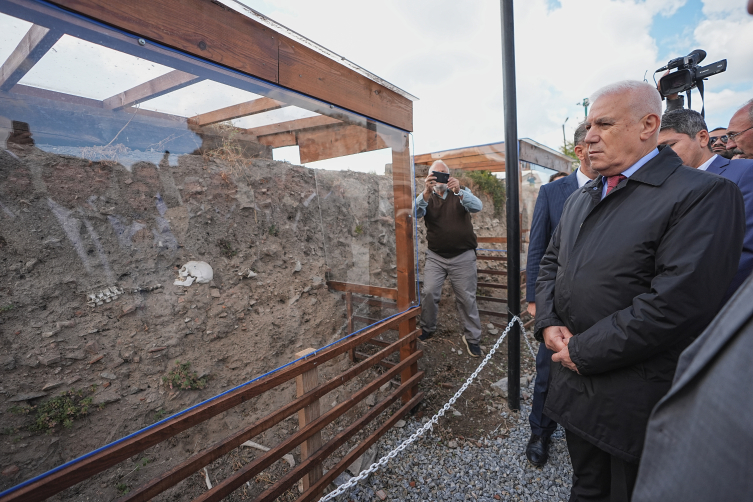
635	271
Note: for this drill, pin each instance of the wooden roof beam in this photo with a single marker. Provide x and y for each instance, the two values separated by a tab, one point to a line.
292	125
212	31
156	87
253	107
35	44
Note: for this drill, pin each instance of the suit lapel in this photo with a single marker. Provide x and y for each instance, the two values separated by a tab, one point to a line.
570	185
719	165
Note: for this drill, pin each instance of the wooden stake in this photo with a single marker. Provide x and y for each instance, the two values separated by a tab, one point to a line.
303	384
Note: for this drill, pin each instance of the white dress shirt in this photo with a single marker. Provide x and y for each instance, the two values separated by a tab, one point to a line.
582	178
706	164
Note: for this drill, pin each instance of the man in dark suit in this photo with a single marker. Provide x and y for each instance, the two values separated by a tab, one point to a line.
699	445
546	216
635	271
685	131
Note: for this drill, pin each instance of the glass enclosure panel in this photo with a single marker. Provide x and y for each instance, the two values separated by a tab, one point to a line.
144	221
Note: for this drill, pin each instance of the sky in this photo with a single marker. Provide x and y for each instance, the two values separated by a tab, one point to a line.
448	54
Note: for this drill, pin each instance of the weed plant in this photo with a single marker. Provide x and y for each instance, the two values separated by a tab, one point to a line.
486	182
181	377
62	410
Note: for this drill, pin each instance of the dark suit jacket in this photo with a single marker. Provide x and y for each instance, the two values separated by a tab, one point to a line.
741	173
699	442
636	277
546	217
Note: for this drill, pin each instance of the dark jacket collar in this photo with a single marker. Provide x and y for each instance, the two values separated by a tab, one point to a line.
657	170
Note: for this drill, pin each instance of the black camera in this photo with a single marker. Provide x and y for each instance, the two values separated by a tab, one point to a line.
441	177
688	74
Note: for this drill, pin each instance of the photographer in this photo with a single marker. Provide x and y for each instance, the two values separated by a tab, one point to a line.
446	207
686	133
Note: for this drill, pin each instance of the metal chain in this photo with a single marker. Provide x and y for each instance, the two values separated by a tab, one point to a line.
525	337
428	425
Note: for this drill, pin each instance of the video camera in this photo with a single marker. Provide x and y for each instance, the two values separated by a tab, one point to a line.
688	74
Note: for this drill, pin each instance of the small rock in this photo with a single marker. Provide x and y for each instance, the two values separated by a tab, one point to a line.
31	264
92	347
364	461
412	484
50	359
106	397
8	363
98	358
48	334
297	266
76	356
224	314
51	242
26	397
214	292
294	299
108	375
73	380
490	326
400	424
497	497
316	280
500	387
127	310
447	385
493	331
52	385
457	413
10	471
65	324
370	400
37	324
385	387
452	444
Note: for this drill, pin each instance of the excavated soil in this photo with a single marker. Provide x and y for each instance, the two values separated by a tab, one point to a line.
273	233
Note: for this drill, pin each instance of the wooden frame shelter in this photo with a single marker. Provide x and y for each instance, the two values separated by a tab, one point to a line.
491	157
352	112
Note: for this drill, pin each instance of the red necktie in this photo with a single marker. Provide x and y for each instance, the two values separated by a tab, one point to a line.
613	181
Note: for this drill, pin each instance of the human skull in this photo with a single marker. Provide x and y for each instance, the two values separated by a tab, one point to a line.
194	271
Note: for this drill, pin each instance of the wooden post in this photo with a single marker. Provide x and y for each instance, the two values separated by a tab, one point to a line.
349	309
402	185
303	384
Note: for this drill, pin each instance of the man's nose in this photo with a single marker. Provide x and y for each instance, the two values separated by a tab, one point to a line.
591	137
730	144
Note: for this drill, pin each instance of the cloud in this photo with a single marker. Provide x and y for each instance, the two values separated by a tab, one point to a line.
449	55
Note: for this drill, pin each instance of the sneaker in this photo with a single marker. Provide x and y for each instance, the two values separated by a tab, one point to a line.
473	349
425	335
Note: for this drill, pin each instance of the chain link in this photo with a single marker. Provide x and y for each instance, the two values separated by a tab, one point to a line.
428	425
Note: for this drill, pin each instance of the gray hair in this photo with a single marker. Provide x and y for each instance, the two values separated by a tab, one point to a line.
646	99
683	121
438	163
580	134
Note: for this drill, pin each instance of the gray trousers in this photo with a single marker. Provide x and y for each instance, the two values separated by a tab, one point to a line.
462	273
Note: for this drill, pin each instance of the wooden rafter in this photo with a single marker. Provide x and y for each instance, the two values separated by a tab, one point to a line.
35	44
236	111
216	33
168	82
292	125
337	141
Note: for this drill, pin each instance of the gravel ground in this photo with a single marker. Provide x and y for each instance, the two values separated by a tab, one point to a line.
432	469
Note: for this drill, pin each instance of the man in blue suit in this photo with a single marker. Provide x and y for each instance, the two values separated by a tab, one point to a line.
686	132
546	216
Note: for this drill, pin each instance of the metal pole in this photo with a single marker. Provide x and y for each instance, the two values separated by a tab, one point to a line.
512	170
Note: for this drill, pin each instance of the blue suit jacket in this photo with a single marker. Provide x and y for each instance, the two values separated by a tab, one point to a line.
546	217
739	172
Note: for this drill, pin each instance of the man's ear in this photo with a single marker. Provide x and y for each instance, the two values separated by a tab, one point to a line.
703	138
580	152
651	124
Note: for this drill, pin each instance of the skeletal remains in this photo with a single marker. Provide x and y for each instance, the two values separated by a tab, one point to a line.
105	296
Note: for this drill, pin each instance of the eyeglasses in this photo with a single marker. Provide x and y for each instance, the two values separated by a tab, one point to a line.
736	134
713	139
